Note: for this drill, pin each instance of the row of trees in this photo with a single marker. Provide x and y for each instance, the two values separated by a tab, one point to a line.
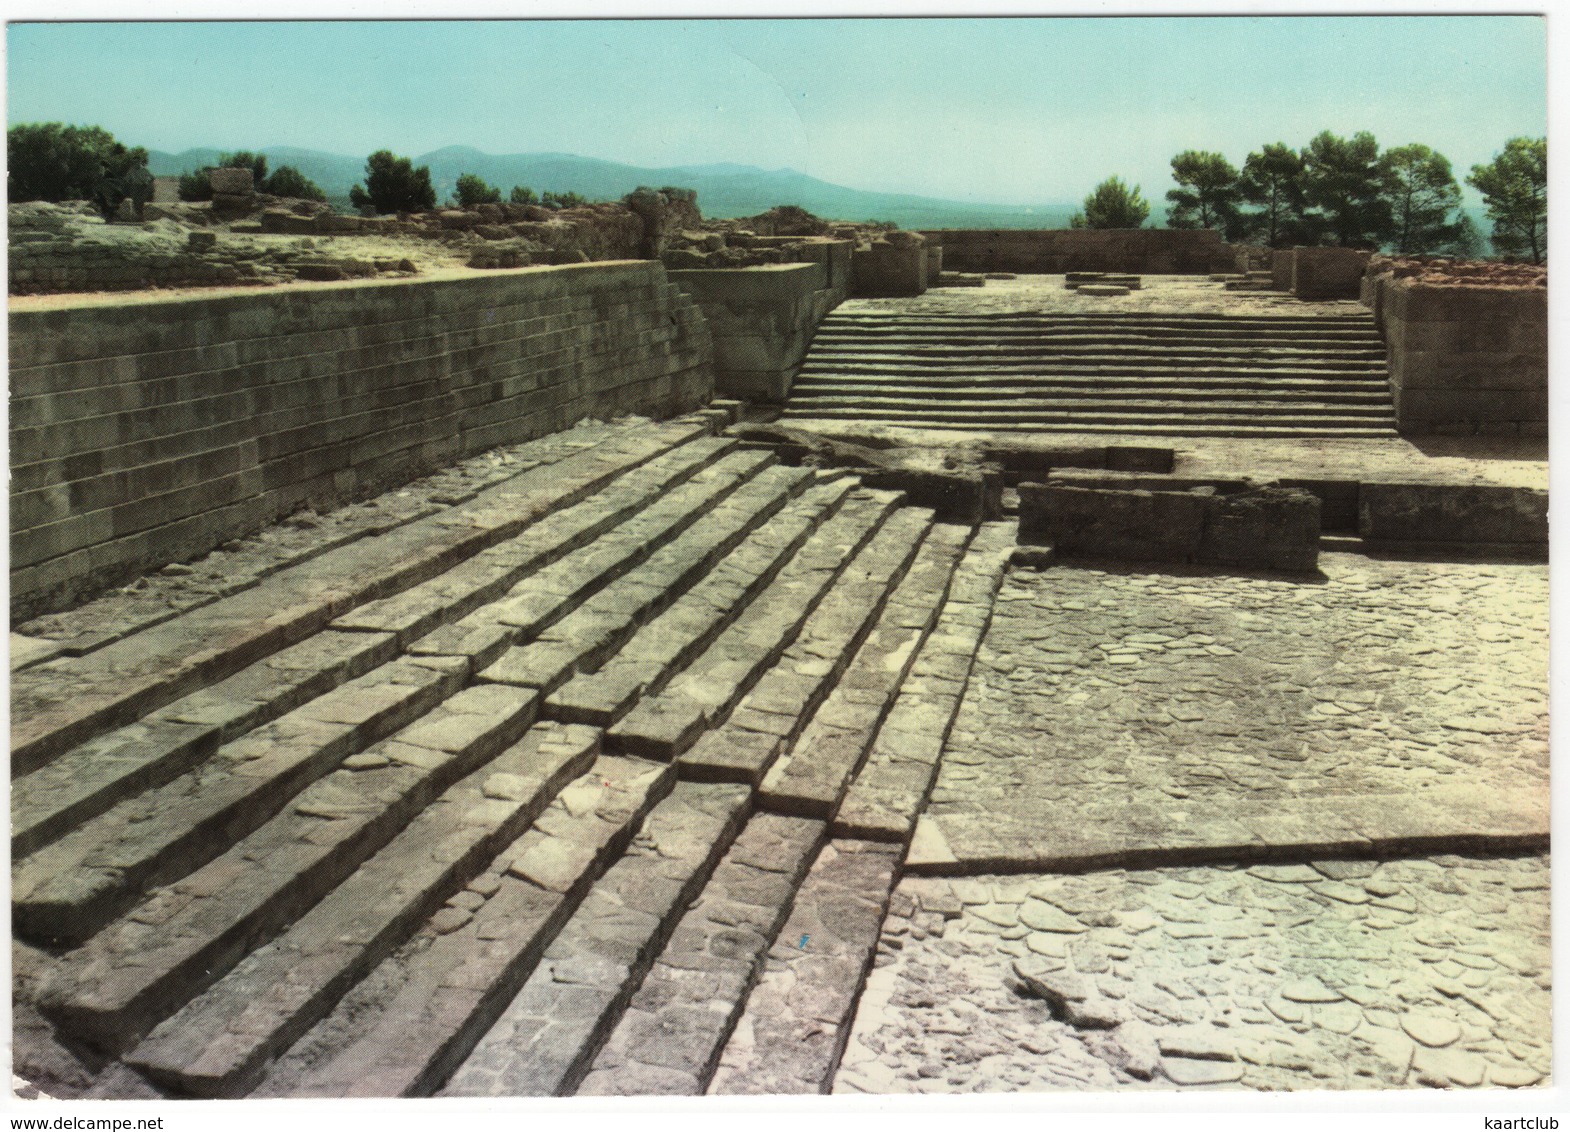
285	181
472	190
393	184
1345	191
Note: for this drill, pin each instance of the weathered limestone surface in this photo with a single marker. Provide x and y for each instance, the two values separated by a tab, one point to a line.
187	935
687	627
797	1019
342	854
1327	273
666	725
1261	527
403	1030
590	634
545	1040
218	1044
1118	717
890	789
670	1037
811	777
772	714
1453	513
1337	974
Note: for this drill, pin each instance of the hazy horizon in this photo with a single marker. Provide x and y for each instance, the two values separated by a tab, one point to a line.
1014	110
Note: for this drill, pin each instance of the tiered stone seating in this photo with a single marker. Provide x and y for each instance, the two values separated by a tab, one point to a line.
458	808
1171	374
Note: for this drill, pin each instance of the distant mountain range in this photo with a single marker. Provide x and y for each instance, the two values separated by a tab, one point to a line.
723	190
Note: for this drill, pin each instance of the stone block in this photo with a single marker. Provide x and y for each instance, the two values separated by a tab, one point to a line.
889	270
1089	522
1328	273
1453	513
1273	528
1281	269
235	182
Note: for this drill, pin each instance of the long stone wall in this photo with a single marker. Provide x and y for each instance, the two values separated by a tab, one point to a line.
1143	251
149	431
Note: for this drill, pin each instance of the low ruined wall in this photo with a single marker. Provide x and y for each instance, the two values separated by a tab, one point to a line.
1414	513
889	270
1328	273
1141	251
150	431
1244	526
1466	360
763	318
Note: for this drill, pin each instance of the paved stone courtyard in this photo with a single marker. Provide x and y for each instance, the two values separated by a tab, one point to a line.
1328	975
1230	714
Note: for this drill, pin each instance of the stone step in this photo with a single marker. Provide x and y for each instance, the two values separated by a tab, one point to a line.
62	703
890	790
664	724
668	1040
937	352
1154	428
665	644
1045	380
797	1019
546	1038
1351	319
993	389
220	1042
542	600
184	937
771	716
70	889
1134	421
1108	406
549	544
585	638
116	614
1125	328
403	1030
811	777
88	780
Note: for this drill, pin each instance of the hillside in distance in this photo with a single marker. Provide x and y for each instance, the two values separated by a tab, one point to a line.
724	190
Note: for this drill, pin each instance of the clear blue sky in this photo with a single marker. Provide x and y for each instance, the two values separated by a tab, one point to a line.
1003	110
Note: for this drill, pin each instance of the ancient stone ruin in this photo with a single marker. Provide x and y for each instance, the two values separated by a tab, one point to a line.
611	652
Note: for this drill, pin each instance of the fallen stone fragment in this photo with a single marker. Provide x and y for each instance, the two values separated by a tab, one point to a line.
1136	1051
1309	990
1431	1030
1184	1071
1196	1043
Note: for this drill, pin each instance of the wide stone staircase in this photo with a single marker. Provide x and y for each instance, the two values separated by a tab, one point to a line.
1147	373
597	781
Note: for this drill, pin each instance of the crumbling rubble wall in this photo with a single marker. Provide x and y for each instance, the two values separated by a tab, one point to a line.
1141	251
150	431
